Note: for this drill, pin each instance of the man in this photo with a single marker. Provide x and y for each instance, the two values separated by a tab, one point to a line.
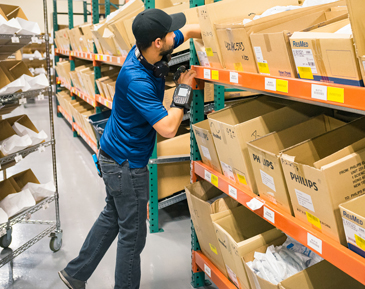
127	144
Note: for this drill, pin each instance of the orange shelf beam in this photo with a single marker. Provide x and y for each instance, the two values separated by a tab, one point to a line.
89	99
109	59
329	249
82	55
344	96
106	102
65	115
213	272
62	52
86	138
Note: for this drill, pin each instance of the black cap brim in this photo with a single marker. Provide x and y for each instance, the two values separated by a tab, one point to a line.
178	21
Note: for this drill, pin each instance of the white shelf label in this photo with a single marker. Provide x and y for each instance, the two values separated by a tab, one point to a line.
18	158
232	192
41	149
314	243
254	204
118	60
269	215
208	176
45	206
207	73
270	84
15	39
233	77
34	39
41	96
319	92
207	271
22	100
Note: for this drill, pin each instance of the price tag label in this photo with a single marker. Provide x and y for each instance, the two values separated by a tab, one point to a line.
208	176
319	92
118	60
336	94
314	243
207	73
41	96
31	59
45	206
207	271
15	39
282	85
22	101
18	158
214	180
215	74
269	215
233	77
270	84
34	39
41	149
232	192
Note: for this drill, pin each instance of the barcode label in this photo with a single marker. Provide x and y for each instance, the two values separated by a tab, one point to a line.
305	58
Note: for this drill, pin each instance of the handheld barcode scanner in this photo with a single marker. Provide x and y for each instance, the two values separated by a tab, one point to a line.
183	93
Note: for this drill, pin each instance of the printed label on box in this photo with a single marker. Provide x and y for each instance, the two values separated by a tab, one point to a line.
259	55
213	248
314	243
313	220
232	192
305	72
232	276
264	67
304	58
268	180
319	92
238	66
228	171
242	179
203	59
352	230
209	52
205	152
304	200
269	215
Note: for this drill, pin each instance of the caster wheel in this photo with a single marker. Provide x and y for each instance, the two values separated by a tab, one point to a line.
5	240
55	244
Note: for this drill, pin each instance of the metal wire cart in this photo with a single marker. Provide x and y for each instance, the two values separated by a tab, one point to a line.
12	43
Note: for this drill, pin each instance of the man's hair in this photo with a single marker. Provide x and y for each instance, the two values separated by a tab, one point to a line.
142	46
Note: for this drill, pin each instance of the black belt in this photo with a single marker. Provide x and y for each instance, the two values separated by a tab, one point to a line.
104	154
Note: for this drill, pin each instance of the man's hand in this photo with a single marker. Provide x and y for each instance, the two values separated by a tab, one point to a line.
187	77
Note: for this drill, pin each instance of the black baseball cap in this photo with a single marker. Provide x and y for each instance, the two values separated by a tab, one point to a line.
150	24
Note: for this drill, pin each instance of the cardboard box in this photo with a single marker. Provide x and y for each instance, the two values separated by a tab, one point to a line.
229	93
265	157
240	231
324	172
206	145
7	187
224	11
24	178
234	126
111	88
356	10
11	11
204	199
173	177
268	52
353	217
11	70
326	56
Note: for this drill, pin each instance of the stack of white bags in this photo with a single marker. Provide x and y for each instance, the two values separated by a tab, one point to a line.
25	83
19	26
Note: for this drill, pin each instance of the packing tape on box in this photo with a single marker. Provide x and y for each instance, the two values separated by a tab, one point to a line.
267	42
318	54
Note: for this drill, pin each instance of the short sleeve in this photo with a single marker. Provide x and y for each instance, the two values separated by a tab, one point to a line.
179	38
142	96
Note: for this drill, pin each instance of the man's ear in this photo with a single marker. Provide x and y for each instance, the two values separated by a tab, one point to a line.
158	43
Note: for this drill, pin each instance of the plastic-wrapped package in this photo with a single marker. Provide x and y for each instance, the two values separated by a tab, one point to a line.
308	3
36	138
40	191
275	10
345	30
15	143
3	216
15	203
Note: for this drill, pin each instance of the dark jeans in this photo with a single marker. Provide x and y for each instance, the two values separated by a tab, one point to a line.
125	213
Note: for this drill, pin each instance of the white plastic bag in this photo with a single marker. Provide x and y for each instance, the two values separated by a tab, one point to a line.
36	138
9	27
15	143
15	203
40	191
345	30
28	27
3	216
308	3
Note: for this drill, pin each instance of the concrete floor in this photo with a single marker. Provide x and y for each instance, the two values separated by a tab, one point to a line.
166	260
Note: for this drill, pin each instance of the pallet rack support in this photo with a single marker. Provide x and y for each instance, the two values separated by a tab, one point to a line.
85	10
57	58
107	7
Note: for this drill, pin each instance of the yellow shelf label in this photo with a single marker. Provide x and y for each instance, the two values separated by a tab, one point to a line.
215	74
209	51
213	248
102	57
314	220
336	94
305	72
263	68
360	242
238	66
282	85
214	180
242	179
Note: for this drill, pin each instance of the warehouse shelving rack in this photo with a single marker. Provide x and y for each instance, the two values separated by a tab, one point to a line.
99	102
339	97
54	227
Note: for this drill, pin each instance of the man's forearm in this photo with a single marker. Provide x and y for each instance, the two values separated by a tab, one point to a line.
176	114
191	31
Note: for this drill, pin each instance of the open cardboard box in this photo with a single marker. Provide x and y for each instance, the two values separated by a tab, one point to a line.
205	199
225	11
323	172
238	124
11	11
240	231
326	56
265	157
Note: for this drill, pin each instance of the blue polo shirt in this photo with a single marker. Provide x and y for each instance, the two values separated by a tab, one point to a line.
137	106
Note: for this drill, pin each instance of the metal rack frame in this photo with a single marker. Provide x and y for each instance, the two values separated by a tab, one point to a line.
54	227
